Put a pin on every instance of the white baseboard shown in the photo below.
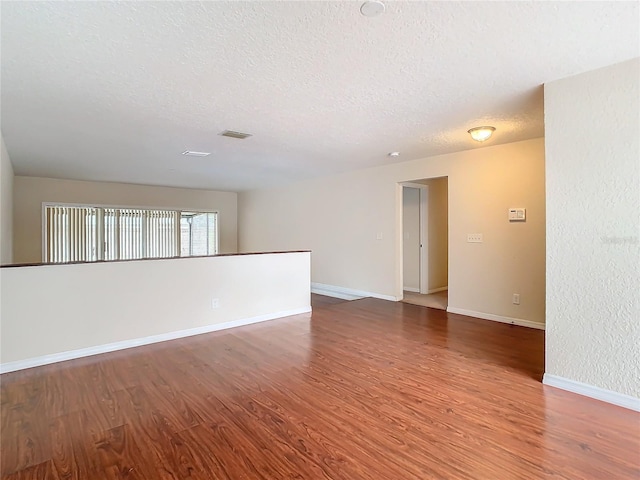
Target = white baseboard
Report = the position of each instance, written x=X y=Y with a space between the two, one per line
x=497 y=318
x=347 y=293
x=436 y=290
x=137 y=342
x=620 y=399
x=410 y=289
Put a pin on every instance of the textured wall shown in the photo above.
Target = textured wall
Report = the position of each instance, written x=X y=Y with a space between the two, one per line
x=30 y=192
x=352 y=222
x=6 y=206
x=593 y=228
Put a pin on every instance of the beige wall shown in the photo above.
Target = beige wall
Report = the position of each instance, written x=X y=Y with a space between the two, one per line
x=6 y=206
x=341 y=217
x=593 y=228
x=31 y=192
x=50 y=310
x=438 y=233
x=411 y=238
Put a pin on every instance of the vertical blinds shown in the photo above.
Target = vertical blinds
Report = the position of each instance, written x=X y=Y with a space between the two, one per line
x=134 y=233
x=85 y=234
x=71 y=234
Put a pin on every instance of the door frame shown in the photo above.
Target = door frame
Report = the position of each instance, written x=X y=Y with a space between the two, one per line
x=424 y=232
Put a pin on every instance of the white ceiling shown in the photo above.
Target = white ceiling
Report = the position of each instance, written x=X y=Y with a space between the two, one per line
x=115 y=91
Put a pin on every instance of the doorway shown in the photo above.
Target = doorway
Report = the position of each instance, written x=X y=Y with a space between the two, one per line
x=425 y=256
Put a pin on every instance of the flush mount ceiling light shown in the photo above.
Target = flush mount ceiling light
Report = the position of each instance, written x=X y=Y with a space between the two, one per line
x=480 y=134
x=190 y=153
x=372 y=8
x=394 y=154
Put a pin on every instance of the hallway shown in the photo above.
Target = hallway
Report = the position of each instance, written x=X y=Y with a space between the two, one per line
x=438 y=300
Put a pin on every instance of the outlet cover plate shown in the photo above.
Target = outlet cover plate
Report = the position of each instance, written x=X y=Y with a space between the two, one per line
x=474 y=238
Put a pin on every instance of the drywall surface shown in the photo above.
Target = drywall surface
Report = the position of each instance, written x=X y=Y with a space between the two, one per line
x=31 y=192
x=353 y=224
x=411 y=238
x=50 y=309
x=593 y=228
x=438 y=233
x=6 y=206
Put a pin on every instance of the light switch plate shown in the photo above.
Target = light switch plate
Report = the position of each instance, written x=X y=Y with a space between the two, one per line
x=474 y=238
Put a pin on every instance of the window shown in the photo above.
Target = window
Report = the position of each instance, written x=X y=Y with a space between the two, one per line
x=90 y=233
x=198 y=233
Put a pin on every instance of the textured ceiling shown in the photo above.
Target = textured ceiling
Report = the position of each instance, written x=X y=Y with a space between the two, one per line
x=115 y=91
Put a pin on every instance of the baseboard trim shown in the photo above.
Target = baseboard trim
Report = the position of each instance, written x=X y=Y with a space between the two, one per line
x=436 y=290
x=497 y=318
x=409 y=289
x=137 y=342
x=615 y=398
x=347 y=293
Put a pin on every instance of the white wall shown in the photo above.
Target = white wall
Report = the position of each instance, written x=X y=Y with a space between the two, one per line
x=411 y=238
x=593 y=228
x=340 y=218
x=6 y=206
x=50 y=309
x=30 y=192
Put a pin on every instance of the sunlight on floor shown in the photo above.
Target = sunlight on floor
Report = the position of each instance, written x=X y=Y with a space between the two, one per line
x=437 y=300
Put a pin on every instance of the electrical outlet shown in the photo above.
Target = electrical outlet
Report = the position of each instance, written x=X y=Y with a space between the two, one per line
x=215 y=303
x=474 y=237
x=516 y=299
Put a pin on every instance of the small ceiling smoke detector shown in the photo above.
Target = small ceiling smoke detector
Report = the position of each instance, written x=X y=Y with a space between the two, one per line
x=480 y=134
x=372 y=8
x=232 y=134
x=190 y=153
x=394 y=154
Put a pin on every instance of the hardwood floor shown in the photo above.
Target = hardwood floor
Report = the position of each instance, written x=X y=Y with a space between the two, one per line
x=366 y=389
x=319 y=301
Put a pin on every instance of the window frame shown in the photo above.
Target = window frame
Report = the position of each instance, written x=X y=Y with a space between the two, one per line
x=43 y=225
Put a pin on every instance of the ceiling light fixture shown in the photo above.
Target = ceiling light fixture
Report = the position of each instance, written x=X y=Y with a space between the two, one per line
x=480 y=134
x=394 y=154
x=190 y=153
x=372 y=8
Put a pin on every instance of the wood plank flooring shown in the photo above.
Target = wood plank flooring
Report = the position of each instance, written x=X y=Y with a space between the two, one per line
x=366 y=389
x=319 y=301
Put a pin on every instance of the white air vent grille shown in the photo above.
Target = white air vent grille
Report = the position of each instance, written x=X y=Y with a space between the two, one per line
x=190 y=153
x=232 y=134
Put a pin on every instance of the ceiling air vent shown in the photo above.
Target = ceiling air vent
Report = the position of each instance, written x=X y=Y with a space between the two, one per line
x=232 y=134
x=191 y=153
